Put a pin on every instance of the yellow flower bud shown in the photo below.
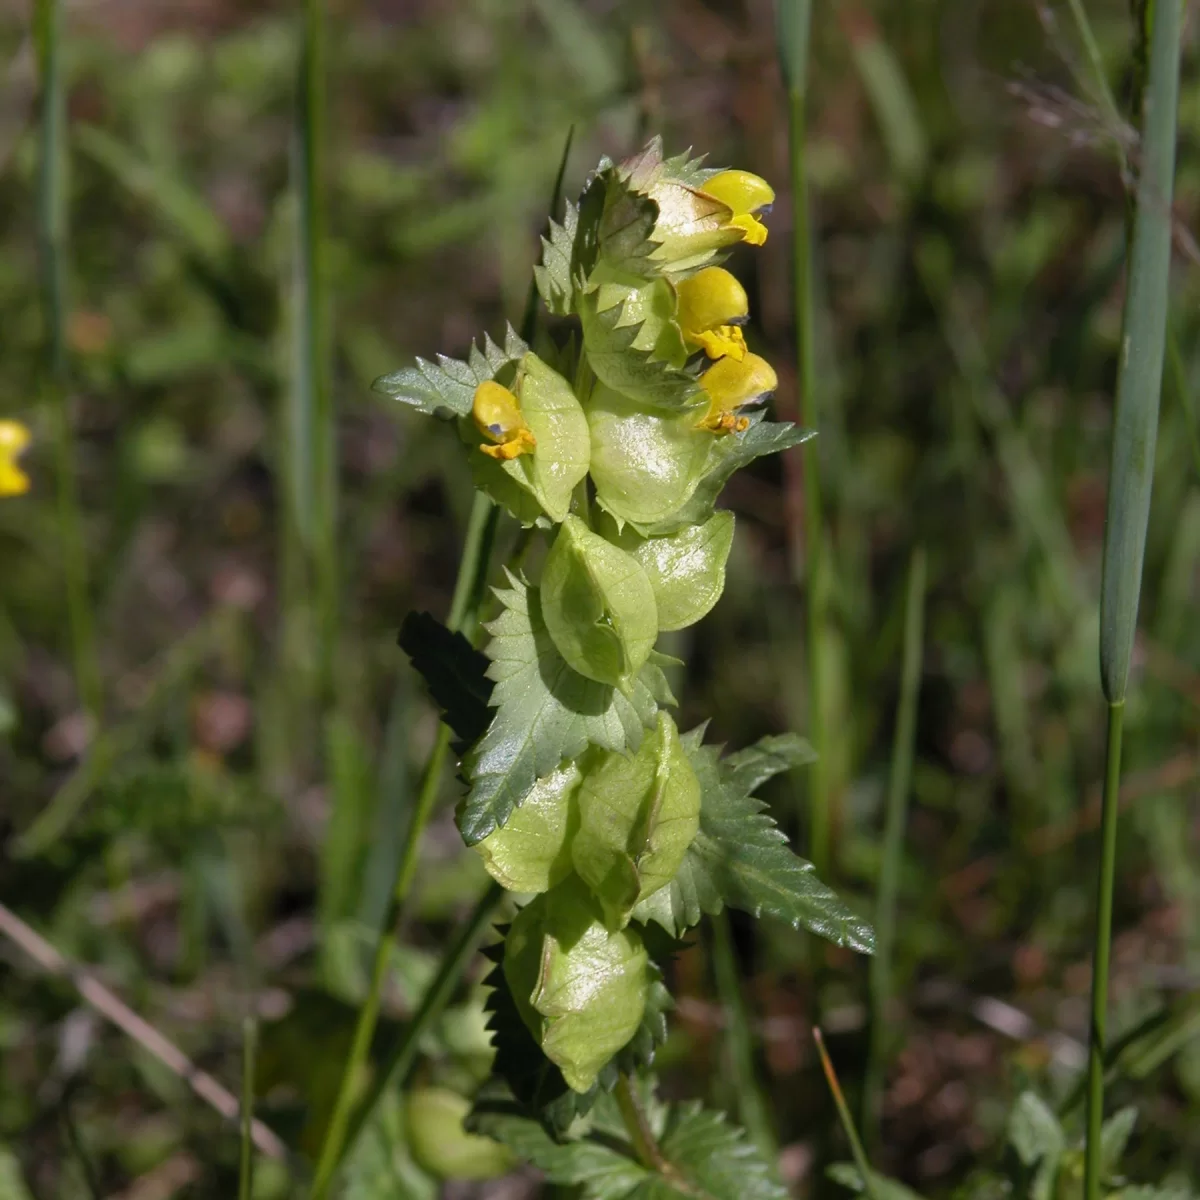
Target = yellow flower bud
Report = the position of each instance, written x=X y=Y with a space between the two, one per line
x=730 y=385
x=745 y=194
x=14 y=438
x=712 y=307
x=497 y=414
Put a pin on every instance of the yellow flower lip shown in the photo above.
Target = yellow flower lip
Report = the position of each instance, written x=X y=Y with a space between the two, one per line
x=497 y=415
x=731 y=385
x=712 y=306
x=14 y=440
x=745 y=195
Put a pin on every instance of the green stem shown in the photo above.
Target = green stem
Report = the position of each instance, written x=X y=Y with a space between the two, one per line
x=880 y=977
x=246 y=1166
x=641 y=1136
x=795 y=20
x=52 y=239
x=464 y=611
x=1100 y=953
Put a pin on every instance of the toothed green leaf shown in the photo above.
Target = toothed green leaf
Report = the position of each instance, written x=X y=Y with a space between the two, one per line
x=545 y=712
x=703 y=1156
x=446 y=388
x=555 y=281
x=741 y=858
x=453 y=670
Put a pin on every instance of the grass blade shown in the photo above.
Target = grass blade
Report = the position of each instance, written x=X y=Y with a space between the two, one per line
x=752 y=1110
x=1131 y=478
x=52 y=220
x=880 y=979
x=794 y=29
x=1139 y=375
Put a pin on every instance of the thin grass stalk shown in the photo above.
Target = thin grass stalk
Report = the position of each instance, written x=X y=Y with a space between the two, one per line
x=1131 y=478
x=399 y=1059
x=794 y=27
x=752 y=1108
x=843 y=1109
x=249 y=1055
x=52 y=223
x=316 y=436
x=899 y=783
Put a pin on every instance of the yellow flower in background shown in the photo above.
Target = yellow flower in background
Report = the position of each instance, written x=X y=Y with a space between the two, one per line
x=731 y=385
x=712 y=308
x=497 y=414
x=14 y=438
x=745 y=195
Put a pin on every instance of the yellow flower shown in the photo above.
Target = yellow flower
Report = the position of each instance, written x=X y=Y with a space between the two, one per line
x=14 y=438
x=497 y=414
x=712 y=308
x=745 y=195
x=730 y=385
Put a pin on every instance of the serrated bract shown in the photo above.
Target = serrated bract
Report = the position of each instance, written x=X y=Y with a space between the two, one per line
x=598 y=606
x=579 y=987
x=638 y=814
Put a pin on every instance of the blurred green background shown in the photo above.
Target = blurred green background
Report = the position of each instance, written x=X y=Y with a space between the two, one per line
x=219 y=838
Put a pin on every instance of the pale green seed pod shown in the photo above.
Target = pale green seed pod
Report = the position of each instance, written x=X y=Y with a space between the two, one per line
x=598 y=606
x=557 y=459
x=531 y=852
x=645 y=464
x=638 y=815
x=580 y=988
x=440 y=1144
x=685 y=569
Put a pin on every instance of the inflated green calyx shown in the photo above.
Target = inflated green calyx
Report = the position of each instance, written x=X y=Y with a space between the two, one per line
x=558 y=459
x=645 y=464
x=638 y=815
x=598 y=606
x=579 y=987
x=439 y=1143
x=685 y=569
x=531 y=852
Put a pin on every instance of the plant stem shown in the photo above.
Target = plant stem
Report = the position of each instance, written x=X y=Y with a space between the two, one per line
x=795 y=20
x=1100 y=953
x=641 y=1136
x=246 y=1166
x=464 y=611
x=835 y=1088
x=52 y=210
x=880 y=969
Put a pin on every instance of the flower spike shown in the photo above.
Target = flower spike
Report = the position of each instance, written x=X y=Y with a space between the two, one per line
x=746 y=195
x=730 y=386
x=712 y=309
x=497 y=415
x=14 y=439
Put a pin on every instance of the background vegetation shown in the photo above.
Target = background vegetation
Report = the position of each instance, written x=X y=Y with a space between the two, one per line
x=205 y=774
